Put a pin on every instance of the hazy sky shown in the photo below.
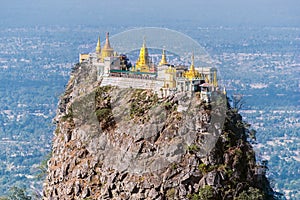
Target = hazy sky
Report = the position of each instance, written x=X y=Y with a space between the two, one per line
x=150 y=13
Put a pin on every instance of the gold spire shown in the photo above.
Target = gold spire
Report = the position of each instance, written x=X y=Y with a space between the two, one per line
x=144 y=42
x=192 y=73
x=107 y=43
x=142 y=64
x=107 y=51
x=192 y=68
x=215 y=81
x=163 y=58
x=224 y=91
x=98 y=47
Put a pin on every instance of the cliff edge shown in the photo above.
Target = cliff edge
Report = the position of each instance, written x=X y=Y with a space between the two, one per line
x=113 y=143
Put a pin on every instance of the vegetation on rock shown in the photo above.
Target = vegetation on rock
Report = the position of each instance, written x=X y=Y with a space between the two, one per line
x=143 y=147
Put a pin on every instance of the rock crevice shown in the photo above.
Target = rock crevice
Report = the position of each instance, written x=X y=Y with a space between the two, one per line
x=113 y=143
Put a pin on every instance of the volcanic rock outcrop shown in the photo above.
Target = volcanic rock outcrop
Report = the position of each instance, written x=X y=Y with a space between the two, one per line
x=113 y=143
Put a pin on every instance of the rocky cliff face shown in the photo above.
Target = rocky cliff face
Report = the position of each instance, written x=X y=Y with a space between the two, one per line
x=113 y=143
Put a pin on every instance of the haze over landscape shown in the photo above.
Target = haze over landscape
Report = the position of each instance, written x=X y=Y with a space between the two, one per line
x=151 y=13
x=254 y=44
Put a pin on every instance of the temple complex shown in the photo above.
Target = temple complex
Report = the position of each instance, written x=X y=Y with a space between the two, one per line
x=163 y=78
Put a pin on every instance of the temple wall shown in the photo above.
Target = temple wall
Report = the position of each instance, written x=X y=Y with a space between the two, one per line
x=122 y=82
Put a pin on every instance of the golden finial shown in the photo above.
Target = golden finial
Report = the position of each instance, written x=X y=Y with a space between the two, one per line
x=192 y=68
x=144 y=41
x=98 y=47
x=107 y=43
x=163 y=60
x=193 y=59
